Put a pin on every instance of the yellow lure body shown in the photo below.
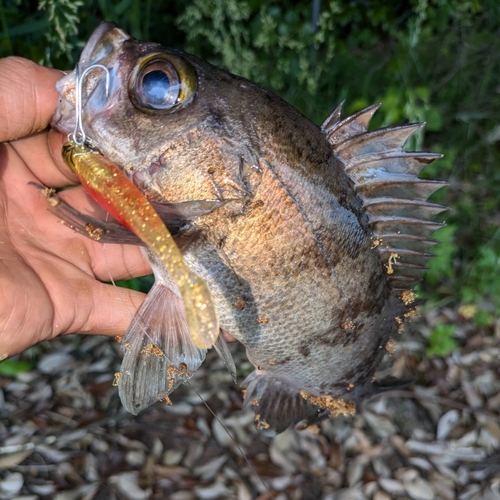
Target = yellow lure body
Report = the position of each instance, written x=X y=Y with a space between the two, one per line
x=119 y=196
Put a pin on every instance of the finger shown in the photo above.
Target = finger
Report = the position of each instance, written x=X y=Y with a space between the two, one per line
x=119 y=262
x=26 y=310
x=41 y=153
x=55 y=142
x=108 y=312
x=27 y=97
x=80 y=303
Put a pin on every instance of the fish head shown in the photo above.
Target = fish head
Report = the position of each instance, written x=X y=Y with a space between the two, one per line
x=160 y=114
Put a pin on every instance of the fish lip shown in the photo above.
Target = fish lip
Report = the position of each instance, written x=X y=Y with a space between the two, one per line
x=93 y=41
x=60 y=120
x=105 y=39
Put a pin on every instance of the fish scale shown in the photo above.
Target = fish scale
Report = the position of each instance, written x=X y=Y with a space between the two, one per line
x=309 y=238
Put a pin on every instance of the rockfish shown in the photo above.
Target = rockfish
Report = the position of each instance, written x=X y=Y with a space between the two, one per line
x=309 y=238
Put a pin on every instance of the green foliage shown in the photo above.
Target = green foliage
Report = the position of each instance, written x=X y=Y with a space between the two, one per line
x=441 y=268
x=483 y=318
x=428 y=60
x=13 y=367
x=139 y=284
x=483 y=277
x=63 y=19
x=441 y=341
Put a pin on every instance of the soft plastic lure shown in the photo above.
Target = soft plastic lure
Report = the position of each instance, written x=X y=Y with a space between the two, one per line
x=114 y=192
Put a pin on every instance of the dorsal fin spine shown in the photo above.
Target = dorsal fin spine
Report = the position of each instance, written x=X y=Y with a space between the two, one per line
x=386 y=178
x=391 y=162
x=352 y=125
x=333 y=118
x=382 y=139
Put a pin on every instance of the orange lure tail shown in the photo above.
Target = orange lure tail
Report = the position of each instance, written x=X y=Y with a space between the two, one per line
x=113 y=191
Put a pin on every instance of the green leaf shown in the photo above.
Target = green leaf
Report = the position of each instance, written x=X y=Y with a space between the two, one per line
x=482 y=318
x=13 y=367
x=441 y=341
x=140 y=284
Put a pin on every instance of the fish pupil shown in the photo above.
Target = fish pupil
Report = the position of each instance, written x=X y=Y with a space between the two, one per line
x=158 y=90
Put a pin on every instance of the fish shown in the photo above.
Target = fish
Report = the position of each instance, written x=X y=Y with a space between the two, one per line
x=309 y=238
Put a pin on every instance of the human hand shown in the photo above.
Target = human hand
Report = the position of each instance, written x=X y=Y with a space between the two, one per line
x=49 y=276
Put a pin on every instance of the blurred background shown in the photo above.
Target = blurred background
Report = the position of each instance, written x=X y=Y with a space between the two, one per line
x=433 y=61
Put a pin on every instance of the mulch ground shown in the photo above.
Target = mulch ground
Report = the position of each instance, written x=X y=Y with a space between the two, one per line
x=65 y=436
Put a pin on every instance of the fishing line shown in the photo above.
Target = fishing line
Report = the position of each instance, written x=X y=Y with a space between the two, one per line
x=187 y=382
x=252 y=468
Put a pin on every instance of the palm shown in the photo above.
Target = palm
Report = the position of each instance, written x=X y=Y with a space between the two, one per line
x=50 y=277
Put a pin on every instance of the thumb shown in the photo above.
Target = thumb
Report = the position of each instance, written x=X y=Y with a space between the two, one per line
x=27 y=97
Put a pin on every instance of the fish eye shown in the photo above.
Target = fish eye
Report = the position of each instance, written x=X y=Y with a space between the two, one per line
x=158 y=86
x=162 y=83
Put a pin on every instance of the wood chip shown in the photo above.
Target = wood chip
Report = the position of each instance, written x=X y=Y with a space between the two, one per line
x=11 y=484
x=419 y=489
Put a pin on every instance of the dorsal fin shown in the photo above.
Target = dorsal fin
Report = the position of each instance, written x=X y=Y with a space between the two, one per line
x=395 y=199
x=336 y=130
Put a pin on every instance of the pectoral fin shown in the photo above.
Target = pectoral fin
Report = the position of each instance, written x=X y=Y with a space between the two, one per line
x=186 y=210
x=174 y=215
x=159 y=352
x=91 y=227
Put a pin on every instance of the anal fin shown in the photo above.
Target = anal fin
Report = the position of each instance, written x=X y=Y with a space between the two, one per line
x=276 y=404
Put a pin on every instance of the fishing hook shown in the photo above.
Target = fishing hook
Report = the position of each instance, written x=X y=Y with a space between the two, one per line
x=78 y=136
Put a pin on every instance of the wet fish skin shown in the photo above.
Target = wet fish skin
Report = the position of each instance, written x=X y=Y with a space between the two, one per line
x=289 y=250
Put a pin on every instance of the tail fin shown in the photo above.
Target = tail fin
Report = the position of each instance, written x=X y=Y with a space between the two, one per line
x=159 y=353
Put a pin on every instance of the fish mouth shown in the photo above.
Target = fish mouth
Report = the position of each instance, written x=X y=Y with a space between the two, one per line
x=100 y=43
x=102 y=47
